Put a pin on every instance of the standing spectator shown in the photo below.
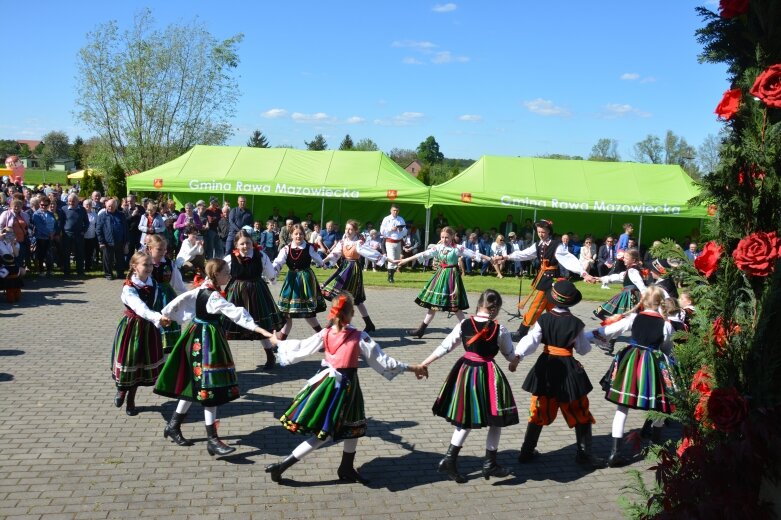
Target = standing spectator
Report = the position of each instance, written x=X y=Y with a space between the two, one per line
x=508 y=226
x=692 y=252
x=44 y=224
x=151 y=223
x=211 y=225
x=133 y=215
x=238 y=218
x=606 y=258
x=18 y=220
x=200 y=209
x=112 y=233
x=90 y=237
x=411 y=242
x=223 y=228
x=185 y=219
x=268 y=239
x=393 y=229
x=172 y=208
x=284 y=234
x=276 y=217
x=588 y=255
x=73 y=225
x=565 y=243
x=96 y=204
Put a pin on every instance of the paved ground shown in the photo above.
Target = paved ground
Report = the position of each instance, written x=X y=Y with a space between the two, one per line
x=68 y=453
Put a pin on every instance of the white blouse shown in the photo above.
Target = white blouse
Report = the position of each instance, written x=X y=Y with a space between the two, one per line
x=454 y=339
x=182 y=309
x=268 y=268
x=363 y=249
x=279 y=261
x=532 y=340
x=564 y=257
x=625 y=325
x=460 y=250
x=131 y=298
x=633 y=274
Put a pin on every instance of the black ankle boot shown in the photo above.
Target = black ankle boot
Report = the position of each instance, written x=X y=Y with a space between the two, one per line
x=119 y=398
x=656 y=434
x=645 y=431
x=528 y=453
x=584 y=455
x=214 y=445
x=418 y=333
x=346 y=470
x=130 y=408
x=317 y=328
x=369 y=324
x=271 y=359
x=391 y=272
x=616 y=460
x=449 y=465
x=491 y=468
x=277 y=469
x=174 y=430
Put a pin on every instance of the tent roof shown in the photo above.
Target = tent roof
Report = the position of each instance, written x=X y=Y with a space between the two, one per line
x=592 y=186
x=348 y=175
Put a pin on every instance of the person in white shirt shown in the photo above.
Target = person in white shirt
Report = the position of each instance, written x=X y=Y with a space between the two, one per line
x=393 y=229
x=191 y=254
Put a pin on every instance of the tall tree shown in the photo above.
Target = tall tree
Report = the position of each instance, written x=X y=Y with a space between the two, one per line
x=9 y=147
x=561 y=156
x=152 y=94
x=650 y=150
x=366 y=145
x=317 y=144
x=77 y=152
x=258 y=140
x=605 y=150
x=56 y=145
x=708 y=154
x=347 y=143
x=403 y=157
x=428 y=151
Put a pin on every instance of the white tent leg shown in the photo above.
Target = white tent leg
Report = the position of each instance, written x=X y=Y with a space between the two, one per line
x=424 y=244
x=322 y=211
x=640 y=233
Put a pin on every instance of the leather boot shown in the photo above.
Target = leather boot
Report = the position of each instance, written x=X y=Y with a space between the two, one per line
x=491 y=468
x=449 y=465
x=645 y=431
x=174 y=430
x=214 y=445
x=528 y=453
x=656 y=435
x=317 y=329
x=584 y=455
x=271 y=359
x=391 y=273
x=119 y=398
x=277 y=469
x=346 y=470
x=418 y=333
x=616 y=460
x=130 y=407
x=369 y=324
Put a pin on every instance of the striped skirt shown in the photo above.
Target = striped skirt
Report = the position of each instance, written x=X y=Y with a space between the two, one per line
x=619 y=304
x=200 y=367
x=328 y=406
x=137 y=356
x=254 y=296
x=444 y=291
x=172 y=332
x=348 y=278
x=300 y=296
x=641 y=378
x=476 y=394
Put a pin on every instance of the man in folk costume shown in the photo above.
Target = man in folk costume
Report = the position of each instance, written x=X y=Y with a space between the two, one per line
x=557 y=380
x=393 y=229
x=550 y=253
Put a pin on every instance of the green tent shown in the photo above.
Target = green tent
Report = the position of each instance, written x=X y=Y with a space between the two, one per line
x=332 y=184
x=582 y=196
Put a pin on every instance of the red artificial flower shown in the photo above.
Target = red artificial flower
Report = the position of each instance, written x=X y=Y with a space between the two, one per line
x=701 y=410
x=756 y=254
x=727 y=409
x=721 y=334
x=767 y=86
x=732 y=8
x=729 y=104
x=756 y=174
x=686 y=443
x=701 y=381
x=708 y=261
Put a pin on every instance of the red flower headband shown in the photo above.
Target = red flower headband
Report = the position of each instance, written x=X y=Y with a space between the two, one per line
x=336 y=308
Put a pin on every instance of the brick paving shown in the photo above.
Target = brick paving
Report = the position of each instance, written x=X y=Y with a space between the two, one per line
x=68 y=453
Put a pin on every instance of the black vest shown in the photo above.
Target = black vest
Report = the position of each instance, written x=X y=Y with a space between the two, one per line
x=247 y=268
x=163 y=271
x=200 y=305
x=648 y=330
x=487 y=345
x=560 y=329
x=298 y=259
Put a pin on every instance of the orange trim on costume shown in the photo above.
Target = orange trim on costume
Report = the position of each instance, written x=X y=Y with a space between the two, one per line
x=558 y=351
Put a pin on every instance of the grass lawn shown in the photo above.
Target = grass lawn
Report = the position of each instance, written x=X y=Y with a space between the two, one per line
x=38 y=176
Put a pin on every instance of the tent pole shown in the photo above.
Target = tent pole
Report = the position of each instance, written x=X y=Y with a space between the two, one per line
x=322 y=211
x=640 y=233
x=424 y=246
x=534 y=224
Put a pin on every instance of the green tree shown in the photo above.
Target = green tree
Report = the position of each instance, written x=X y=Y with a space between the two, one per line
x=24 y=150
x=152 y=94
x=428 y=151
x=77 y=152
x=678 y=151
x=708 y=154
x=56 y=145
x=9 y=147
x=366 y=145
x=347 y=143
x=317 y=144
x=258 y=140
x=605 y=150
x=402 y=156
x=649 y=150
x=561 y=157
x=117 y=184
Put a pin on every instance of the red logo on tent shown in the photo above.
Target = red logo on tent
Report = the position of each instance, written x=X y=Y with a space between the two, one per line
x=158 y=184
x=466 y=197
x=392 y=194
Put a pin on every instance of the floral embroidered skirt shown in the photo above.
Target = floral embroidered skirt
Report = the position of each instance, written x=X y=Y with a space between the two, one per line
x=444 y=291
x=476 y=394
x=348 y=278
x=137 y=355
x=172 y=332
x=254 y=296
x=300 y=296
x=327 y=407
x=619 y=304
x=640 y=378
x=200 y=368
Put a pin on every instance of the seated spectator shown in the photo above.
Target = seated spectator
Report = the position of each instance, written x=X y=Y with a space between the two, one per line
x=191 y=255
x=472 y=244
x=606 y=257
x=588 y=255
x=498 y=252
x=692 y=253
x=513 y=244
x=374 y=243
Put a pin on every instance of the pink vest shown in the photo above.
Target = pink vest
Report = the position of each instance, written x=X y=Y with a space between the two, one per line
x=342 y=348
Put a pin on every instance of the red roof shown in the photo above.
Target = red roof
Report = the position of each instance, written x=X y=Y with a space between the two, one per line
x=31 y=143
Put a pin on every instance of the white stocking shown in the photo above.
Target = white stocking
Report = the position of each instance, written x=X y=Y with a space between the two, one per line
x=312 y=322
x=459 y=436
x=429 y=316
x=209 y=415
x=460 y=315
x=350 y=445
x=307 y=447
x=619 y=421
x=287 y=327
x=363 y=310
x=492 y=440
x=182 y=406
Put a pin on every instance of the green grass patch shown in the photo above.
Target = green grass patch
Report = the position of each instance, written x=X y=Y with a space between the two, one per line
x=40 y=176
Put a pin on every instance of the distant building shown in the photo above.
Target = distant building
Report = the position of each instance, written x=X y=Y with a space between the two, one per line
x=414 y=168
x=64 y=164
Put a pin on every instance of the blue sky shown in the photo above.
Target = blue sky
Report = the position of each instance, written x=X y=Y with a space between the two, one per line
x=503 y=78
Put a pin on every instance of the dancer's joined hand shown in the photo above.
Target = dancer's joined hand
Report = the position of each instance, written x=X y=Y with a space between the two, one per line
x=420 y=371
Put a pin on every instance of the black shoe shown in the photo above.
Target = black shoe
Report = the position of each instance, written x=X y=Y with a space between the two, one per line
x=656 y=435
x=346 y=470
x=528 y=451
x=418 y=333
x=277 y=469
x=132 y=411
x=491 y=468
x=645 y=431
x=616 y=460
x=119 y=398
x=174 y=430
x=271 y=360
x=449 y=465
x=369 y=324
x=214 y=446
x=130 y=407
x=584 y=457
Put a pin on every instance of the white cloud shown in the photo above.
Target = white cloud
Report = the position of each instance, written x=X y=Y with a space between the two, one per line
x=403 y=119
x=444 y=8
x=630 y=76
x=414 y=44
x=274 y=113
x=447 y=57
x=545 y=107
x=318 y=117
x=427 y=51
x=409 y=60
x=470 y=117
x=616 y=110
x=354 y=120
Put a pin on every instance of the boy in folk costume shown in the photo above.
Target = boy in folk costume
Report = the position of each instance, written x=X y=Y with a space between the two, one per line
x=550 y=253
x=557 y=380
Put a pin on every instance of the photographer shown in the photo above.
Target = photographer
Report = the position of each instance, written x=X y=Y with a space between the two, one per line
x=191 y=255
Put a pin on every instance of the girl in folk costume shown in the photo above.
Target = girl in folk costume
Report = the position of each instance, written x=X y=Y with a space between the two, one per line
x=557 y=380
x=200 y=367
x=634 y=286
x=300 y=296
x=331 y=403
x=445 y=290
x=349 y=277
x=248 y=264
x=476 y=394
x=169 y=281
x=549 y=253
x=138 y=347
x=640 y=376
x=10 y=273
